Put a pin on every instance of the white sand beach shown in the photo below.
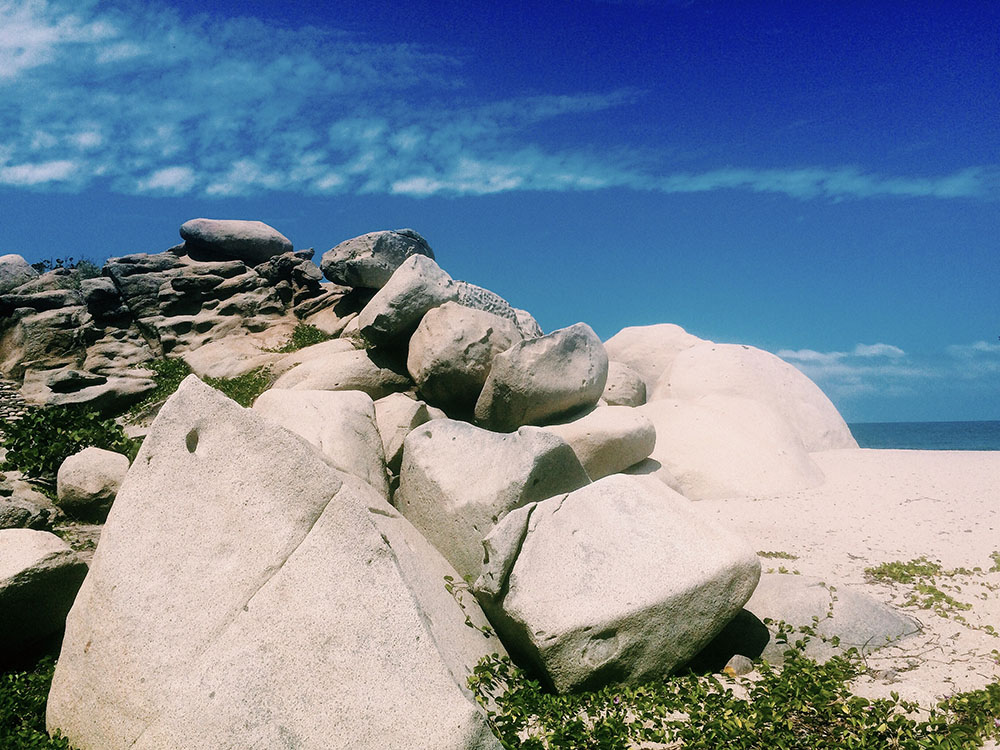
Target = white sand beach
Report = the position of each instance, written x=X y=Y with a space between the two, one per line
x=880 y=506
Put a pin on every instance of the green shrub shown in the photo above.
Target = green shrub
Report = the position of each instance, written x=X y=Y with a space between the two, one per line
x=42 y=439
x=802 y=705
x=243 y=389
x=302 y=336
x=22 y=709
x=167 y=374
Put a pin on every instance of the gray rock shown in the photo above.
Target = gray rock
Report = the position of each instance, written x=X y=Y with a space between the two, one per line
x=608 y=439
x=39 y=578
x=14 y=271
x=88 y=481
x=541 y=379
x=612 y=583
x=396 y=309
x=452 y=350
x=854 y=618
x=456 y=481
x=624 y=387
x=252 y=242
x=68 y=381
x=245 y=594
x=22 y=506
x=370 y=260
x=341 y=424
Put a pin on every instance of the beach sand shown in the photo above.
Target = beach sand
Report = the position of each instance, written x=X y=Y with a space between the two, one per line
x=880 y=506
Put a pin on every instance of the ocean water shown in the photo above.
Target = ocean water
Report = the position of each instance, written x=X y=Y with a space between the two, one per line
x=928 y=436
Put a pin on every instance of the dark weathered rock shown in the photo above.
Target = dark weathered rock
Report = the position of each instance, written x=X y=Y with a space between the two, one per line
x=39 y=578
x=369 y=260
x=252 y=242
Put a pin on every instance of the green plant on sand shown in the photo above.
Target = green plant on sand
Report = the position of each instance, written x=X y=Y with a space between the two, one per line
x=803 y=705
x=922 y=575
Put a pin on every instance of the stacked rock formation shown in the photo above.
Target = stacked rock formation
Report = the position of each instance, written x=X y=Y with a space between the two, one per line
x=276 y=576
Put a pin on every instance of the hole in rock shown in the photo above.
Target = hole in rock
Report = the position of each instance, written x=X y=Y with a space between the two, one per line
x=191 y=441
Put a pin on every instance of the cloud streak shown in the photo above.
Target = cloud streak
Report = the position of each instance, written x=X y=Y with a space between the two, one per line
x=888 y=371
x=147 y=102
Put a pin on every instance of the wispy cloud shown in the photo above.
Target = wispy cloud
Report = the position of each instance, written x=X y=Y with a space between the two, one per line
x=887 y=370
x=845 y=182
x=147 y=101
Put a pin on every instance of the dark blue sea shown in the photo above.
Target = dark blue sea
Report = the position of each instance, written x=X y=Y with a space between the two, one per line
x=928 y=436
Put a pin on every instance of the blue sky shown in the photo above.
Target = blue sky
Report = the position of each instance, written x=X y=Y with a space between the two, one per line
x=818 y=179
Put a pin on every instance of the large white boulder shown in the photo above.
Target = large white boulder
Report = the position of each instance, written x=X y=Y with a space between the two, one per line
x=540 y=379
x=369 y=260
x=352 y=369
x=39 y=578
x=456 y=481
x=609 y=439
x=725 y=446
x=14 y=271
x=88 y=480
x=452 y=350
x=746 y=372
x=252 y=242
x=341 y=424
x=394 y=312
x=244 y=594
x=612 y=583
x=396 y=415
x=650 y=350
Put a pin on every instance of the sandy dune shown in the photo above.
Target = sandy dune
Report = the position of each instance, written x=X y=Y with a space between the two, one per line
x=886 y=505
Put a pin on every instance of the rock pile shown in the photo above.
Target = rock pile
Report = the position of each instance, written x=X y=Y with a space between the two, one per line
x=276 y=576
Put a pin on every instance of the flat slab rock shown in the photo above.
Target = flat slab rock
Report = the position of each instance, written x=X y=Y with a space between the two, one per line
x=246 y=595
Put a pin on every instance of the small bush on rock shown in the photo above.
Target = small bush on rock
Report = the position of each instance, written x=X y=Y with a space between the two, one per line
x=22 y=709
x=303 y=335
x=167 y=374
x=243 y=389
x=40 y=441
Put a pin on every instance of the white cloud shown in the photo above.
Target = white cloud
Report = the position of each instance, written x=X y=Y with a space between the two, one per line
x=976 y=349
x=250 y=107
x=878 y=350
x=844 y=182
x=38 y=173
x=888 y=371
x=169 y=180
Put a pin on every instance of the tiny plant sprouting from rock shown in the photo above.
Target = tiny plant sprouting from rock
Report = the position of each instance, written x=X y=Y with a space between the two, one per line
x=458 y=589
